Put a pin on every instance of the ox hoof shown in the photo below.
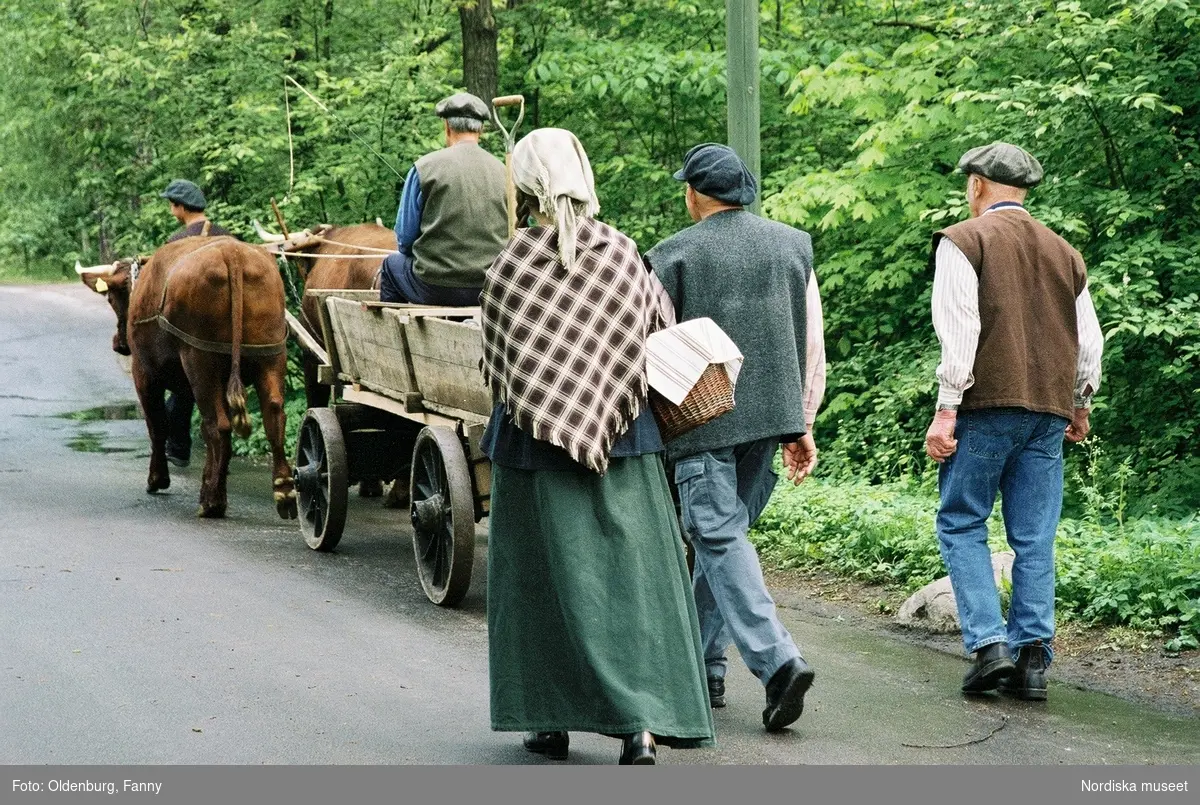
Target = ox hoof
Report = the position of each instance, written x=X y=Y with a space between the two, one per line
x=286 y=506
x=397 y=496
x=211 y=511
x=370 y=489
x=286 y=502
x=157 y=485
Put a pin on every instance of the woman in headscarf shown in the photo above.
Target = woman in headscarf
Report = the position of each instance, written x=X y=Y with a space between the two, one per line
x=591 y=620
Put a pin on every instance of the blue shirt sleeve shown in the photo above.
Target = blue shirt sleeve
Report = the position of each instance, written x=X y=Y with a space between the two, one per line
x=408 y=217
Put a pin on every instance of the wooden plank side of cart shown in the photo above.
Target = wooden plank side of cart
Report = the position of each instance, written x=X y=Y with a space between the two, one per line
x=417 y=362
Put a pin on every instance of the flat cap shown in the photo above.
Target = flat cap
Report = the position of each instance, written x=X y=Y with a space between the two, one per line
x=181 y=191
x=717 y=171
x=1003 y=163
x=463 y=104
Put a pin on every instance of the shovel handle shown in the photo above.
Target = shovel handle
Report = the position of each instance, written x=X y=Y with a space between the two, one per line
x=510 y=136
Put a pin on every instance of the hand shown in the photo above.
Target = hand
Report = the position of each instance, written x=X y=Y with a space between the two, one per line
x=1079 y=428
x=800 y=458
x=940 y=443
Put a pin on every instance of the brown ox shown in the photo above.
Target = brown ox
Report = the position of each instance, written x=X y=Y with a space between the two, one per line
x=344 y=257
x=205 y=312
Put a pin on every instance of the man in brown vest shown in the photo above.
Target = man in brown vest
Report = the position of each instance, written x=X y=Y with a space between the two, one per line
x=1021 y=350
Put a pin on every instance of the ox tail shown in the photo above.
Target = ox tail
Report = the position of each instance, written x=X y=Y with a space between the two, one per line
x=235 y=392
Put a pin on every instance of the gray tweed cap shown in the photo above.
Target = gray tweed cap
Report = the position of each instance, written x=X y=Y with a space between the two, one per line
x=463 y=104
x=1003 y=163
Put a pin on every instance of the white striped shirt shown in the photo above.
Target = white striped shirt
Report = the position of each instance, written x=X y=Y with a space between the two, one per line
x=956 y=321
x=814 y=361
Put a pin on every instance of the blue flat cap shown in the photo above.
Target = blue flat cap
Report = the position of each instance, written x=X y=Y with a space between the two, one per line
x=181 y=191
x=717 y=171
x=1003 y=163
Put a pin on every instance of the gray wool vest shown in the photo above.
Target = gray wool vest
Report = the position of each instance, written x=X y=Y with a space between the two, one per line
x=464 y=223
x=750 y=276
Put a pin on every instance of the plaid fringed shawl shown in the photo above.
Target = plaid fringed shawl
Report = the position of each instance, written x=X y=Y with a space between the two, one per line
x=566 y=352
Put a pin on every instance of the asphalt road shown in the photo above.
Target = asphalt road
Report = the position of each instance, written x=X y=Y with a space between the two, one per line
x=132 y=632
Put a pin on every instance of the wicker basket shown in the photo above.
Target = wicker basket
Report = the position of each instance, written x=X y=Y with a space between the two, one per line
x=711 y=397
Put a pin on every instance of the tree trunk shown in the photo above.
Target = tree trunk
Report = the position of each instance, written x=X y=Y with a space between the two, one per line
x=480 y=60
x=326 y=44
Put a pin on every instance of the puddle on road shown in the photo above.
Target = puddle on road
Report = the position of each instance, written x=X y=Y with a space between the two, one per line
x=105 y=413
x=92 y=441
x=96 y=441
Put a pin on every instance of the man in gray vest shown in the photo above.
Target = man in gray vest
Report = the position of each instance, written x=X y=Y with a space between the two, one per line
x=452 y=220
x=754 y=278
x=1020 y=360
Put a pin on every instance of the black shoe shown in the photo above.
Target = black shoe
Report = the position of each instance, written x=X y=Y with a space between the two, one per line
x=785 y=694
x=178 y=459
x=1028 y=680
x=638 y=750
x=551 y=744
x=716 y=691
x=991 y=665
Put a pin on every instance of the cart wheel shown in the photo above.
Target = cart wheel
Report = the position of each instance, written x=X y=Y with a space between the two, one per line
x=321 y=479
x=442 y=515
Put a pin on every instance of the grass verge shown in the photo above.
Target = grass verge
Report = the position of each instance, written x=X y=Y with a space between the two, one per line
x=1144 y=573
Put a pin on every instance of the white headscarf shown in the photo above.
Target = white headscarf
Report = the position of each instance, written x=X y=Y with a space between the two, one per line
x=551 y=166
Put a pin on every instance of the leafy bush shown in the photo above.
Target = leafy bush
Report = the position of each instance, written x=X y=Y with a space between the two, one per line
x=1146 y=575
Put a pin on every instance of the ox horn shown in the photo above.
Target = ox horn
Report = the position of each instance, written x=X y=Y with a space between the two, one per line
x=101 y=269
x=265 y=236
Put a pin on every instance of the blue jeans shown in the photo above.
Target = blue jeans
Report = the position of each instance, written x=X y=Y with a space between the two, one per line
x=721 y=494
x=1018 y=453
x=398 y=282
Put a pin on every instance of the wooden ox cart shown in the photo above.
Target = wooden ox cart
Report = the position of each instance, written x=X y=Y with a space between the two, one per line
x=406 y=392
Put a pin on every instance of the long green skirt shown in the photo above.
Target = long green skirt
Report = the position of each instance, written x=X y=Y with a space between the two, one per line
x=591 y=621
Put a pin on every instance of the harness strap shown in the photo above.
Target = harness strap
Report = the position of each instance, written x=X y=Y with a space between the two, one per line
x=334 y=256
x=220 y=347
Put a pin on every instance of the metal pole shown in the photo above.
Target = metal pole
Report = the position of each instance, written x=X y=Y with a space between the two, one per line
x=741 y=90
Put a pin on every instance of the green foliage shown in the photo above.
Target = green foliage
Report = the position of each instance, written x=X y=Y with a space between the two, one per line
x=878 y=533
x=1145 y=574
x=122 y=97
x=1105 y=94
